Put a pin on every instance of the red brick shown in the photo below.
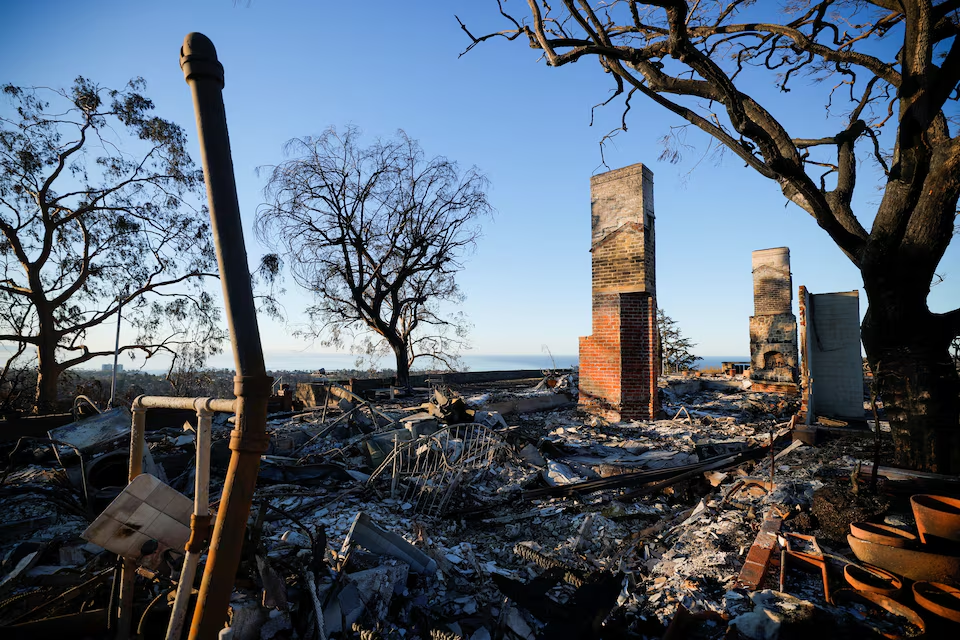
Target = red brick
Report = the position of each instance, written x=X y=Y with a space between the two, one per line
x=618 y=364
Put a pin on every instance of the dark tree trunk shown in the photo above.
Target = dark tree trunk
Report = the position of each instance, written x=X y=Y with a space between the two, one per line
x=403 y=363
x=48 y=375
x=908 y=348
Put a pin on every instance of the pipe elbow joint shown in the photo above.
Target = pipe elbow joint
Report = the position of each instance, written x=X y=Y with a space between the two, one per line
x=198 y=59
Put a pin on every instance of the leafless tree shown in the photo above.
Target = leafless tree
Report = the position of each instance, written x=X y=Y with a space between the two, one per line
x=376 y=234
x=96 y=217
x=893 y=101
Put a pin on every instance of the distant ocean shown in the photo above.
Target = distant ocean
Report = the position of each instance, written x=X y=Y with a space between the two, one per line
x=287 y=361
x=334 y=361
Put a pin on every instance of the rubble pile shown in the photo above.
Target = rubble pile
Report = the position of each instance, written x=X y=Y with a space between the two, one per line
x=439 y=516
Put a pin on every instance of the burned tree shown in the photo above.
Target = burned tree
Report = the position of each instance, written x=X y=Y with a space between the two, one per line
x=694 y=59
x=376 y=234
x=96 y=217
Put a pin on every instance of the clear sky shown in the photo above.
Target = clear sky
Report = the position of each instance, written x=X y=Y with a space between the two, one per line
x=295 y=67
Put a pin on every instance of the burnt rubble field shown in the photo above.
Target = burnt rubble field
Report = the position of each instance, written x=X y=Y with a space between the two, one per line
x=487 y=511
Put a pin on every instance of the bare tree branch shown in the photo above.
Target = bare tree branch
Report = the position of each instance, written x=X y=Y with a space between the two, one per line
x=377 y=235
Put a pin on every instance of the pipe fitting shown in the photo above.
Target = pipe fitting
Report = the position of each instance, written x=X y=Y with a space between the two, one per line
x=198 y=58
x=137 y=404
x=204 y=406
x=200 y=530
x=252 y=386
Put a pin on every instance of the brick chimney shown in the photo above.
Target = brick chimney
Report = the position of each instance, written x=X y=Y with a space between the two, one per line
x=618 y=362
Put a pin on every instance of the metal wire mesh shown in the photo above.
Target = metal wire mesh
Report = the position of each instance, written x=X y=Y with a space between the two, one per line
x=429 y=471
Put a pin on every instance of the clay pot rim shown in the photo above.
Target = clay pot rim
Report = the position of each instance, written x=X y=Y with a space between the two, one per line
x=895 y=537
x=934 y=502
x=896 y=584
x=933 y=607
x=938 y=517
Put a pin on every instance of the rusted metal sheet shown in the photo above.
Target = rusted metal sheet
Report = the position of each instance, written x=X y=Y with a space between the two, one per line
x=803 y=552
x=95 y=431
x=909 y=563
x=938 y=517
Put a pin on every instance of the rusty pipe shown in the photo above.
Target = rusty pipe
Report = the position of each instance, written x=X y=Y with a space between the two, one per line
x=204 y=74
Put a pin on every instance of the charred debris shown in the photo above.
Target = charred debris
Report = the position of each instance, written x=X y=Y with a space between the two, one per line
x=494 y=510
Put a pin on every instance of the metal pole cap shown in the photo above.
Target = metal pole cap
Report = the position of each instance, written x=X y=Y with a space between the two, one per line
x=198 y=58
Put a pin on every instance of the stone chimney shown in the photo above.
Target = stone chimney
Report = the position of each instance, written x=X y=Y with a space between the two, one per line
x=774 y=354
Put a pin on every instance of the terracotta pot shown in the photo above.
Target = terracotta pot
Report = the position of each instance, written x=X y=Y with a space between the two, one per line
x=938 y=517
x=873 y=579
x=909 y=563
x=941 y=599
x=883 y=534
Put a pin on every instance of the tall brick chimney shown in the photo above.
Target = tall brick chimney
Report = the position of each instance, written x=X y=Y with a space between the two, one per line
x=774 y=353
x=618 y=362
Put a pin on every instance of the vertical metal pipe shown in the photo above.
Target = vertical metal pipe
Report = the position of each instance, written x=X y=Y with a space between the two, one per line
x=772 y=461
x=128 y=575
x=806 y=353
x=204 y=75
x=201 y=512
x=116 y=355
x=137 y=441
x=201 y=491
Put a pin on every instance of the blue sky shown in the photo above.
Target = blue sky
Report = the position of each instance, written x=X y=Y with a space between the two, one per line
x=294 y=68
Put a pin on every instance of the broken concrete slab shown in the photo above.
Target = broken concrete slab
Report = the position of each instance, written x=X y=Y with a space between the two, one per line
x=545 y=402
x=379 y=585
x=374 y=539
x=345 y=609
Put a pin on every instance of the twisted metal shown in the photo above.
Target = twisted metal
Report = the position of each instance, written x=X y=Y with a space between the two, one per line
x=546 y=562
x=427 y=472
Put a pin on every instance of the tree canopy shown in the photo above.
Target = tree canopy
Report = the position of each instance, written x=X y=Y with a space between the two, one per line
x=676 y=350
x=377 y=234
x=98 y=215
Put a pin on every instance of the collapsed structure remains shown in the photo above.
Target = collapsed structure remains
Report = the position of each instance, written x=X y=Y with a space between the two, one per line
x=774 y=355
x=448 y=516
x=830 y=344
